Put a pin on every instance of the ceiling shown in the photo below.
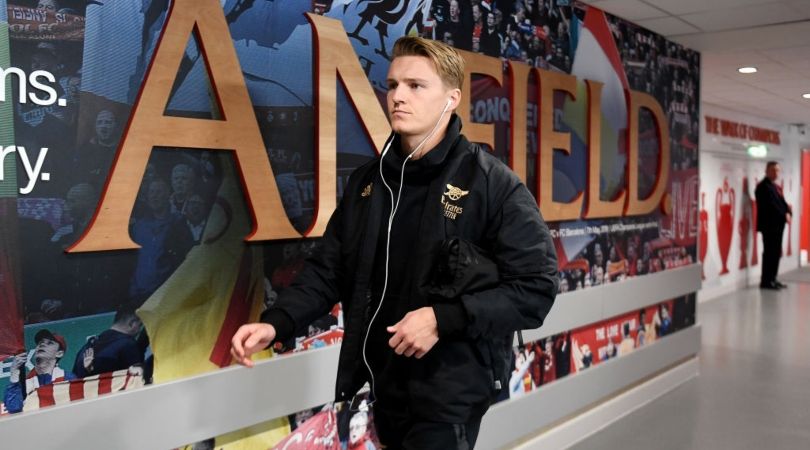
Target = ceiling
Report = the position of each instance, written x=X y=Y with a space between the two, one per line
x=771 y=35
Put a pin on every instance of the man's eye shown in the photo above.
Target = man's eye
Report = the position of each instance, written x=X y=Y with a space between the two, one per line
x=415 y=85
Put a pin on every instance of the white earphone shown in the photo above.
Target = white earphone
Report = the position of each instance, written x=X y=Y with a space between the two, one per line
x=394 y=207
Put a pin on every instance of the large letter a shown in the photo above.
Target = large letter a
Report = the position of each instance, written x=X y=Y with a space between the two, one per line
x=148 y=127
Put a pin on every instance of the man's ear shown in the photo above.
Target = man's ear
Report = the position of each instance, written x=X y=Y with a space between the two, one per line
x=60 y=354
x=454 y=96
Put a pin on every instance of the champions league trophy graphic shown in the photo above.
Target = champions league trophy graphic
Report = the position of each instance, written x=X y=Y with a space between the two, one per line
x=704 y=233
x=724 y=214
x=744 y=225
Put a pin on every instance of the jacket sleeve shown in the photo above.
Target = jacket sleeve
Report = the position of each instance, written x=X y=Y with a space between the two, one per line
x=315 y=291
x=524 y=252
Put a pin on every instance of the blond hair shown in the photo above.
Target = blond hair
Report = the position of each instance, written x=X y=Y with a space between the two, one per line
x=447 y=61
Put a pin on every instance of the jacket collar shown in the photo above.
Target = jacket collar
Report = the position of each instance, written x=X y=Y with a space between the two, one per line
x=426 y=167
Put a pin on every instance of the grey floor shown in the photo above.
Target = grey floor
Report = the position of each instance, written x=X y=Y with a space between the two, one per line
x=753 y=391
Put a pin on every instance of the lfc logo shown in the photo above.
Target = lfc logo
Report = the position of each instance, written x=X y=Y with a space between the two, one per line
x=366 y=191
x=453 y=193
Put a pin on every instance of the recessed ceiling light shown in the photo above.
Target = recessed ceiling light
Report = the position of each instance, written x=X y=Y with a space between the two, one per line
x=806 y=95
x=747 y=70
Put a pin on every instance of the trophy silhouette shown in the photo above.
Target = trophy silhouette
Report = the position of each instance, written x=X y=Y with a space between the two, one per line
x=704 y=233
x=724 y=214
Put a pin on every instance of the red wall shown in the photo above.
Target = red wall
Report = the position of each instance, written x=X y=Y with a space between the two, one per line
x=804 y=215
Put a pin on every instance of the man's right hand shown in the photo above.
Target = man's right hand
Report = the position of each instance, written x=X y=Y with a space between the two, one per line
x=18 y=362
x=249 y=339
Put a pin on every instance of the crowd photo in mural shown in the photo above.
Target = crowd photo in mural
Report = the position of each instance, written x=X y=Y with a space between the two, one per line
x=79 y=324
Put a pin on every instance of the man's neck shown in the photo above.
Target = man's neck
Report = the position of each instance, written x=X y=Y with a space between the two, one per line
x=410 y=143
x=120 y=328
x=103 y=143
x=45 y=366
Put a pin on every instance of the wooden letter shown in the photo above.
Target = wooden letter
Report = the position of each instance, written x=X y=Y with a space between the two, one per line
x=334 y=56
x=483 y=133
x=549 y=141
x=148 y=127
x=517 y=133
x=636 y=206
x=595 y=207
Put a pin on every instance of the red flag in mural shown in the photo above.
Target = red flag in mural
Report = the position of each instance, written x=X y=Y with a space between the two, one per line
x=63 y=392
x=11 y=323
x=320 y=432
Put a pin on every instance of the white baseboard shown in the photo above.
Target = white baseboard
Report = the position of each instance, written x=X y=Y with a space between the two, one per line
x=712 y=289
x=604 y=414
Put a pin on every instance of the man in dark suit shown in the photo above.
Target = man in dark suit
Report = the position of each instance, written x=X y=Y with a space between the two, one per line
x=772 y=214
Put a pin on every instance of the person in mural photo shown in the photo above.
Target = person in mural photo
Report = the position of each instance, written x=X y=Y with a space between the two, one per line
x=520 y=380
x=49 y=351
x=151 y=231
x=93 y=159
x=183 y=179
x=359 y=436
x=583 y=357
x=662 y=321
x=641 y=329
x=773 y=213
x=435 y=352
x=113 y=349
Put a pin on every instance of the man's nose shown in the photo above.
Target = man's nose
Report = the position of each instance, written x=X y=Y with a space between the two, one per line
x=397 y=95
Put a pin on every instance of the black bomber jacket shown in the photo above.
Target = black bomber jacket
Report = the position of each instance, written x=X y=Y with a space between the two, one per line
x=475 y=198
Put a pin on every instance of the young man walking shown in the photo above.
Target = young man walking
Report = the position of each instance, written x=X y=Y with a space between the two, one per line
x=438 y=253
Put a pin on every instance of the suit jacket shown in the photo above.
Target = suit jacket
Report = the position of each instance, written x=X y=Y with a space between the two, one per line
x=771 y=207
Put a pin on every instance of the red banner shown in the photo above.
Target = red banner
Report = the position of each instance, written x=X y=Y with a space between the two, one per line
x=619 y=336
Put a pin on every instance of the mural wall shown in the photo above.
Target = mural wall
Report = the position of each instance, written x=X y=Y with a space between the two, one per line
x=114 y=320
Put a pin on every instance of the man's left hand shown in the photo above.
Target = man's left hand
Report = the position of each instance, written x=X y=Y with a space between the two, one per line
x=415 y=334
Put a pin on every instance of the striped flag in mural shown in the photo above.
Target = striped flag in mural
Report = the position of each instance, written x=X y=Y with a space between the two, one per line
x=191 y=318
x=219 y=286
x=63 y=392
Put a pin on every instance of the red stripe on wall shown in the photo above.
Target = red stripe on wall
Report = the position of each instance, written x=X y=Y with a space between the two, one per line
x=804 y=214
x=45 y=394
x=76 y=390
x=105 y=383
